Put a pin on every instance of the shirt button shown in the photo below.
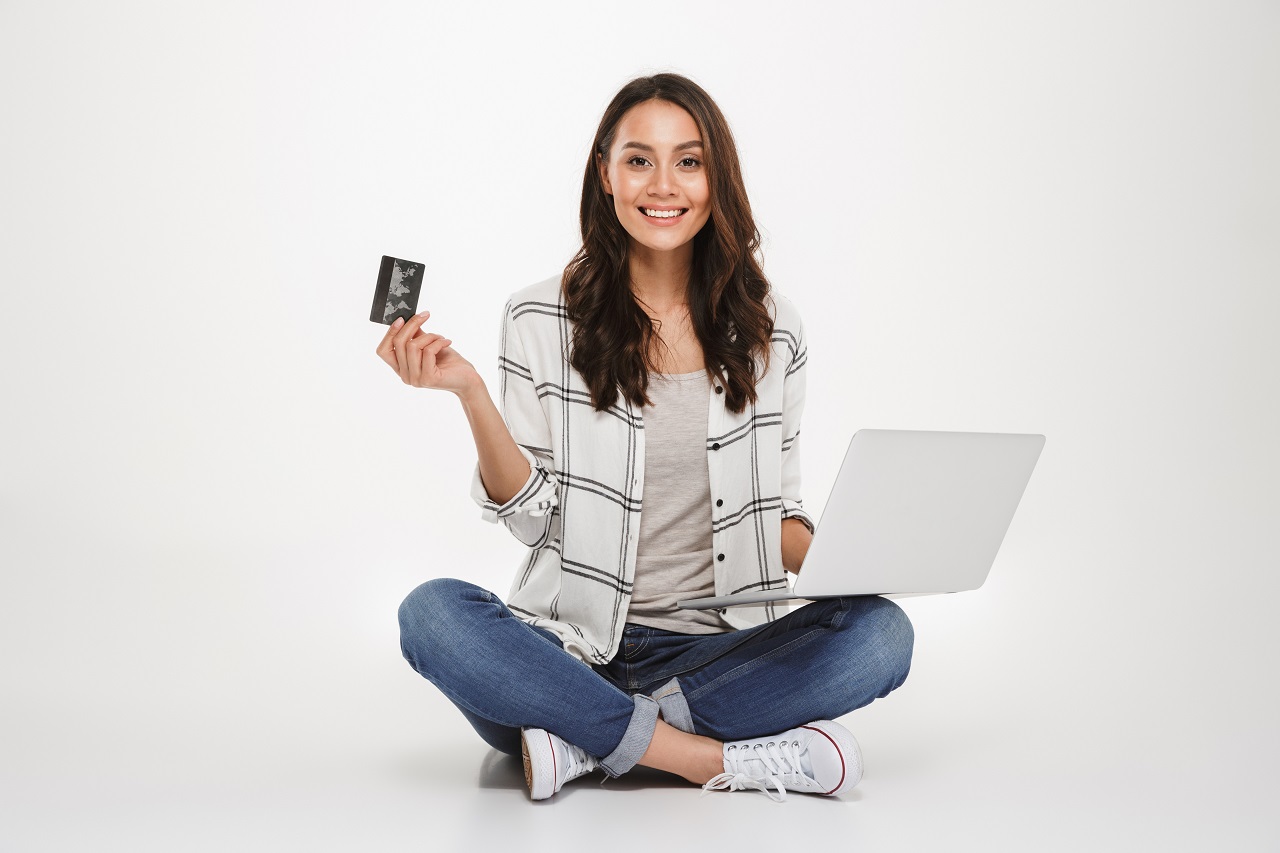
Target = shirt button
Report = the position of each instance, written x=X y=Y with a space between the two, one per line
x=719 y=503
x=715 y=446
x=720 y=557
x=719 y=390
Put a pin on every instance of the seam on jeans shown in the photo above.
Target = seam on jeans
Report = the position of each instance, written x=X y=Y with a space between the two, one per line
x=746 y=667
x=835 y=623
x=741 y=636
x=462 y=703
x=456 y=699
x=672 y=690
x=838 y=618
x=665 y=675
x=675 y=709
x=641 y=645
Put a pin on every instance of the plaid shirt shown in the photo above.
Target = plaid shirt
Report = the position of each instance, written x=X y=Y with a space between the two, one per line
x=579 y=511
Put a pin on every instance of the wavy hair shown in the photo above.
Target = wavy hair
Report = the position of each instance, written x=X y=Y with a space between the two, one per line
x=727 y=289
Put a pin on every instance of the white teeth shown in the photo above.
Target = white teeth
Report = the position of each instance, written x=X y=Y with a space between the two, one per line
x=661 y=214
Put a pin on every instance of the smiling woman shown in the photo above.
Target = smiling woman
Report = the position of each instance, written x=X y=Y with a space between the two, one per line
x=665 y=181
x=665 y=216
x=647 y=452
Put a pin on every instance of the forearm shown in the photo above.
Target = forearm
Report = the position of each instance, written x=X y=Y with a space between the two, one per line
x=795 y=543
x=503 y=468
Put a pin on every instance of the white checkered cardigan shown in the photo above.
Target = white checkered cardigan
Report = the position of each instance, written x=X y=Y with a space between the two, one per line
x=579 y=512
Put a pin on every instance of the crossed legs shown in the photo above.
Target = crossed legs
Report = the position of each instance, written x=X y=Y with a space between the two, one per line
x=818 y=662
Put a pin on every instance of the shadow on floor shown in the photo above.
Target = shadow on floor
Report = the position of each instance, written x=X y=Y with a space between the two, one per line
x=501 y=771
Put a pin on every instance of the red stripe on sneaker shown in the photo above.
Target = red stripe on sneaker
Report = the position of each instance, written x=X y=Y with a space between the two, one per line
x=838 y=752
x=555 y=776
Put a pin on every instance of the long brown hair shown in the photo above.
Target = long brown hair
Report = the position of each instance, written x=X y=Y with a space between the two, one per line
x=727 y=289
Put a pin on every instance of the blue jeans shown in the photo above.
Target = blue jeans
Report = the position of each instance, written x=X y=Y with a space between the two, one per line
x=816 y=663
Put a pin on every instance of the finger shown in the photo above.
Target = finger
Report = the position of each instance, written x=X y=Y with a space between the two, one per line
x=400 y=338
x=399 y=341
x=423 y=339
x=429 y=353
x=410 y=328
x=413 y=356
x=385 y=349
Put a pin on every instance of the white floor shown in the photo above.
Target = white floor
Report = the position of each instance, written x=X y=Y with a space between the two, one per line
x=990 y=745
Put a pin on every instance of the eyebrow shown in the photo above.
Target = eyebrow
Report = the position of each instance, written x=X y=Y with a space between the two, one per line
x=695 y=143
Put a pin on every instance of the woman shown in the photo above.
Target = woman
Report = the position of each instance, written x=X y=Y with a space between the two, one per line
x=649 y=453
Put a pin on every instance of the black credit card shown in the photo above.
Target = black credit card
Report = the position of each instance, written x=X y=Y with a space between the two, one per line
x=399 y=283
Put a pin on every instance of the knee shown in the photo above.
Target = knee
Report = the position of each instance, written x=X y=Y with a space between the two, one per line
x=889 y=639
x=897 y=641
x=426 y=613
x=431 y=600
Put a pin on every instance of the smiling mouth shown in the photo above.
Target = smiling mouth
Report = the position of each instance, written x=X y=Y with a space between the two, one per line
x=663 y=214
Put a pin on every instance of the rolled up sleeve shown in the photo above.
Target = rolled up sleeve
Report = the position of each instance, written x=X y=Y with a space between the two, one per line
x=528 y=513
x=793 y=391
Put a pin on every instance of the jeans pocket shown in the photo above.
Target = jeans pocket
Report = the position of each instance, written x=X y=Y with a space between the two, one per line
x=634 y=644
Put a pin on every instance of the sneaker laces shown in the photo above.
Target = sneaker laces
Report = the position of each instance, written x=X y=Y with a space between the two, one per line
x=577 y=761
x=762 y=767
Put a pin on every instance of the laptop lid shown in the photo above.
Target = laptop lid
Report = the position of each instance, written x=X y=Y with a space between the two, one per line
x=913 y=512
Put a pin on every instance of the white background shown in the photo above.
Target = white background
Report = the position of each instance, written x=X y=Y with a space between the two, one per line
x=1043 y=217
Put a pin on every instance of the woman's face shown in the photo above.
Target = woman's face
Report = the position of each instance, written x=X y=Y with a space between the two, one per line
x=656 y=176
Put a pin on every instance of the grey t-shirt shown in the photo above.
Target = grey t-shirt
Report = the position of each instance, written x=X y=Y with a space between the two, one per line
x=674 y=558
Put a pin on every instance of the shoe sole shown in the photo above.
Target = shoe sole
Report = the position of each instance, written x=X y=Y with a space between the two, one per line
x=528 y=770
x=539 y=763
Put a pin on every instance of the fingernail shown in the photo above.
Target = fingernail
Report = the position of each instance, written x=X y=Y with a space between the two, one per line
x=398 y=323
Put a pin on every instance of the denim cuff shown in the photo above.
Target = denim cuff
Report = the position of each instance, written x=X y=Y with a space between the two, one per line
x=675 y=710
x=644 y=719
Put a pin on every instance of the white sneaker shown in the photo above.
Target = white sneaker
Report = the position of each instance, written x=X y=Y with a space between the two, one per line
x=820 y=758
x=549 y=762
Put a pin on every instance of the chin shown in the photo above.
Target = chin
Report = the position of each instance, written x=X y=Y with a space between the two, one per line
x=665 y=246
x=668 y=241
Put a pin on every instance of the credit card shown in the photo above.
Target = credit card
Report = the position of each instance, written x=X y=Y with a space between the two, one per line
x=399 y=283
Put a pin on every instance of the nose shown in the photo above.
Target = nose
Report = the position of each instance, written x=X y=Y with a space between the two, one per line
x=661 y=183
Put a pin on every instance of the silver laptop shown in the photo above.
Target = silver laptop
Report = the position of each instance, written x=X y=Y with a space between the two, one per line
x=911 y=513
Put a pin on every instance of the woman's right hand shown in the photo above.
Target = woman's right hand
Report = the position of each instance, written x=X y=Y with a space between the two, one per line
x=426 y=360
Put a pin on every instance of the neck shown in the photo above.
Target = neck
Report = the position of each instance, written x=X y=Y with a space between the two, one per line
x=660 y=279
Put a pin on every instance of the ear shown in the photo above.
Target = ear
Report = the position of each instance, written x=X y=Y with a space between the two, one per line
x=604 y=175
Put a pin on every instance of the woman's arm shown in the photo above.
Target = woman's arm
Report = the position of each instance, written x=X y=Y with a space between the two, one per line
x=503 y=468
x=527 y=508
x=795 y=543
x=426 y=360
